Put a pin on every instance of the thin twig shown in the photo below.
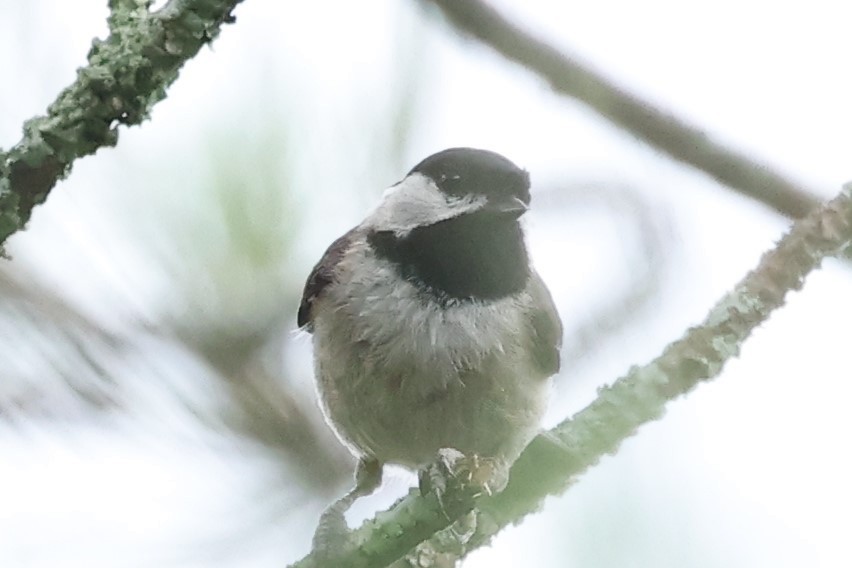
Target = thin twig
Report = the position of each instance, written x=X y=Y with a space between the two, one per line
x=127 y=74
x=666 y=132
x=555 y=459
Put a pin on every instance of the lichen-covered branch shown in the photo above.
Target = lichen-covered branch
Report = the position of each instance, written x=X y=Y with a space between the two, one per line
x=126 y=75
x=669 y=134
x=555 y=459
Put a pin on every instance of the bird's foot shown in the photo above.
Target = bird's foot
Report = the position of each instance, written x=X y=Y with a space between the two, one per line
x=471 y=474
x=332 y=533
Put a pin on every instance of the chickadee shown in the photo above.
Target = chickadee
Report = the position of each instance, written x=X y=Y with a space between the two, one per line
x=430 y=328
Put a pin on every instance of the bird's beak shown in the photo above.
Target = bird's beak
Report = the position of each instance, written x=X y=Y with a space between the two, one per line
x=513 y=206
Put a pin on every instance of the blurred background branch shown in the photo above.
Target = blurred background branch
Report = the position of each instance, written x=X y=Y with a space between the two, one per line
x=663 y=130
x=59 y=344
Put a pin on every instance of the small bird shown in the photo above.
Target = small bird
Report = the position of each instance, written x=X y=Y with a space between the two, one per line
x=431 y=331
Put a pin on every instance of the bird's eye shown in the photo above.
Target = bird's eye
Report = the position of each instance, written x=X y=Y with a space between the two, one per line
x=451 y=183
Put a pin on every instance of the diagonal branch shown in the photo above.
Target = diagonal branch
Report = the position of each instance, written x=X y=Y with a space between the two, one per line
x=555 y=459
x=667 y=133
x=127 y=74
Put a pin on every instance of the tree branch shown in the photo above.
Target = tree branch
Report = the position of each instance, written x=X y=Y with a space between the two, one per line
x=669 y=134
x=555 y=459
x=127 y=74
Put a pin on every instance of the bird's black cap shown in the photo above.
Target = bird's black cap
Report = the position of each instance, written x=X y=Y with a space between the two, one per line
x=464 y=171
x=478 y=255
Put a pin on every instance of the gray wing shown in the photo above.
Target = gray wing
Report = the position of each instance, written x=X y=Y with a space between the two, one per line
x=546 y=327
x=323 y=274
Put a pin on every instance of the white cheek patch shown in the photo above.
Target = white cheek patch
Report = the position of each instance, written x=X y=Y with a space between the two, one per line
x=415 y=202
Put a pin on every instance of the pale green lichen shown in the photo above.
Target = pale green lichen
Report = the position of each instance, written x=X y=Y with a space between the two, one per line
x=127 y=73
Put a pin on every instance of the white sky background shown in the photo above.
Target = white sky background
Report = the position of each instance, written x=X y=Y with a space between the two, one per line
x=749 y=470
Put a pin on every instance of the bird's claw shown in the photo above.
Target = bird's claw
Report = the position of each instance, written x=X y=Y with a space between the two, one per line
x=455 y=471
